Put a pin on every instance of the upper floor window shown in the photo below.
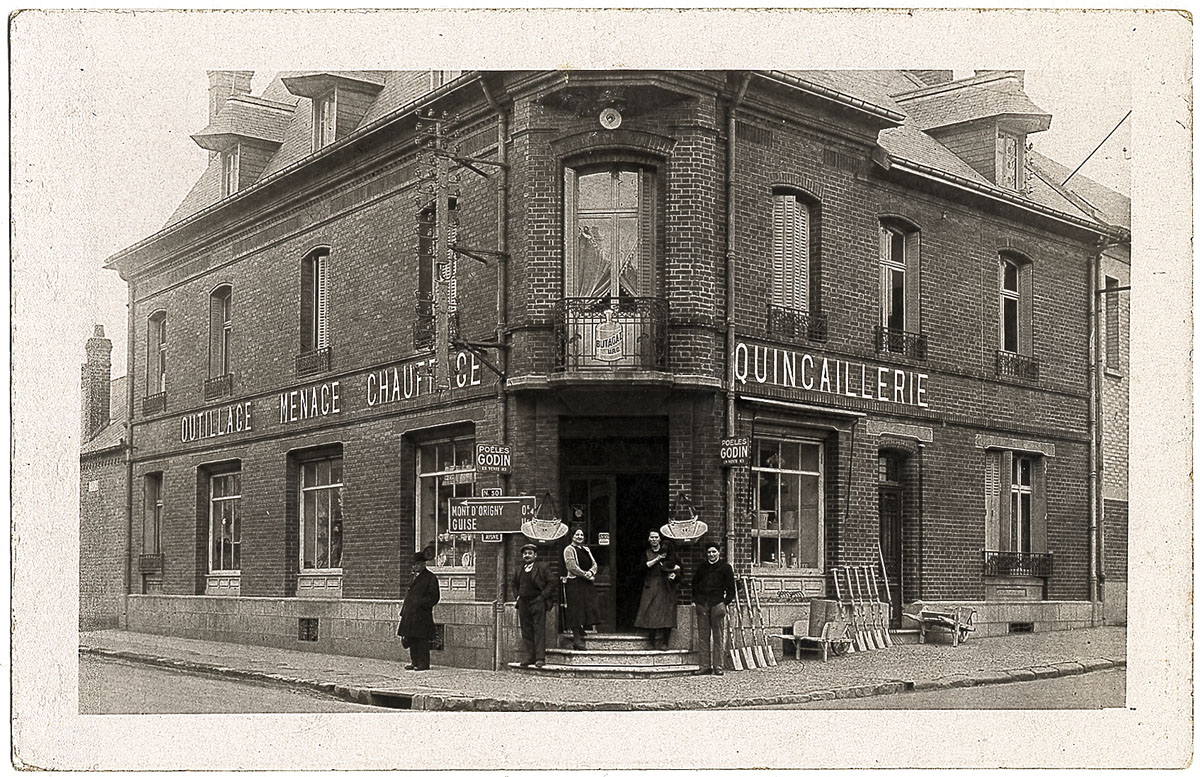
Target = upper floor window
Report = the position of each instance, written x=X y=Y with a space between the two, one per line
x=321 y=513
x=224 y=522
x=1112 y=325
x=230 y=162
x=324 y=120
x=899 y=277
x=220 y=331
x=1015 y=305
x=156 y=353
x=314 y=301
x=1010 y=161
x=610 y=215
x=790 y=250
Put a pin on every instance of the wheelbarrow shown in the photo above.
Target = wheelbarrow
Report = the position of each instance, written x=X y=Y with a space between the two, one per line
x=959 y=621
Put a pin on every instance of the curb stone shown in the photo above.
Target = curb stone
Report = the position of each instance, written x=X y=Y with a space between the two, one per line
x=1044 y=672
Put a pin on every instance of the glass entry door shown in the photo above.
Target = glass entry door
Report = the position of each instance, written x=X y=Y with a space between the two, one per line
x=891 y=513
x=591 y=503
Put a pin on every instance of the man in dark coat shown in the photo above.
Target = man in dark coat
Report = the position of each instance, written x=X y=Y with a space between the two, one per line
x=535 y=591
x=712 y=590
x=416 y=614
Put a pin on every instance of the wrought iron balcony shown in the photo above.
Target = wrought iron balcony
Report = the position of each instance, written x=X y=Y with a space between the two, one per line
x=1013 y=563
x=150 y=562
x=312 y=362
x=796 y=324
x=220 y=386
x=1014 y=366
x=603 y=333
x=900 y=342
x=154 y=403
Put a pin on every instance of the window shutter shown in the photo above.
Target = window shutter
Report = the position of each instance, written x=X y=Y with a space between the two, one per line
x=1025 y=285
x=802 y=243
x=778 y=248
x=570 y=233
x=1037 y=521
x=912 y=281
x=322 y=300
x=1005 y=480
x=646 y=234
x=216 y=334
x=991 y=539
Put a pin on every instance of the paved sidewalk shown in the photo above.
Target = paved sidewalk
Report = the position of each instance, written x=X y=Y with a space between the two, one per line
x=899 y=669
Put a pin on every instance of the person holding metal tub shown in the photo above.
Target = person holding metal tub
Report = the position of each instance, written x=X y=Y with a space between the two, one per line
x=656 y=611
x=582 y=612
x=535 y=590
x=417 y=628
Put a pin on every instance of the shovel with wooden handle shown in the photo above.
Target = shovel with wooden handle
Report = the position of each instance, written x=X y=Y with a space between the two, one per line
x=744 y=647
x=768 y=648
x=842 y=615
x=886 y=589
x=885 y=627
x=756 y=645
x=860 y=641
x=870 y=608
x=860 y=606
x=735 y=658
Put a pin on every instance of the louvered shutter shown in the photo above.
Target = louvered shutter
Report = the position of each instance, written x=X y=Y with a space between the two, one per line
x=991 y=540
x=1006 y=463
x=778 y=250
x=912 y=281
x=321 y=280
x=802 y=254
x=570 y=234
x=1037 y=521
x=647 y=234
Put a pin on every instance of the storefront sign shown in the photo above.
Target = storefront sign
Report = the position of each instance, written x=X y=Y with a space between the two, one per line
x=735 y=451
x=323 y=399
x=215 y=422
x=415 y=379
x=785 y=368
x=474 y=515
x=493 y=458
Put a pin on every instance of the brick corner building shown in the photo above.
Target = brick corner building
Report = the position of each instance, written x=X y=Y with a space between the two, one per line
x=390 y=291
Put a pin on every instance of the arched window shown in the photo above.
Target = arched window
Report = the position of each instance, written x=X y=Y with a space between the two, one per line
x=314 y=301
x=899 y=277
x=220 y=331
x=610 y=235
x=156 y=353
x=1016 y=304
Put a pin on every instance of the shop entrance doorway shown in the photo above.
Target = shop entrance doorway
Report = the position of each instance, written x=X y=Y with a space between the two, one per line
x=617 y=489
x=891 y=500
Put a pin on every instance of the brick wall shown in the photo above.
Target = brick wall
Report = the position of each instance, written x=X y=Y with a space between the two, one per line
x=102 y=546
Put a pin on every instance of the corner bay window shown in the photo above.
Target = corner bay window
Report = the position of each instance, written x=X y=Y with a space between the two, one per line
x=787 y=477
x=321 y=513
x=445 y=469
x=224 y=522
x=610 y=232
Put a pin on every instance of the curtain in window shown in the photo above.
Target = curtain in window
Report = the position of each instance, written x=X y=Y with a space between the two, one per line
x=609 y=233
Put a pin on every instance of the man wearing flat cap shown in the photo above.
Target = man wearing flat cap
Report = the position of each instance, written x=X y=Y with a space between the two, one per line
x=535 y=591
x=712 y=591
x=416 y=614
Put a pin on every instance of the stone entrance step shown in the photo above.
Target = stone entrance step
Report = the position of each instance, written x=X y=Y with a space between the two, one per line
x=609 y=671
x=597 y=642
x=589 y=657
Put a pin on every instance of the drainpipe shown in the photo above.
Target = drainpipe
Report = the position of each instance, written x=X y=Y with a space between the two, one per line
x=920 y=510
x=730 y=288
x=1095 y=431
x=501 y=335
x=130 y=361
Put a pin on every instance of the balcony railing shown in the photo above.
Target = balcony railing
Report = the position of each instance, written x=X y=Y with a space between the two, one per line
x=1013 y=563
x=425 y=328
x=603 y=333
x=220 y=386
x=311 y=362
x=154 y=403
x=900 y=342
x=1014 y=366
x=796 y=324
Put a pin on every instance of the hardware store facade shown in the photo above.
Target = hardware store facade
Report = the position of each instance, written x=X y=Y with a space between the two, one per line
x=902 y=341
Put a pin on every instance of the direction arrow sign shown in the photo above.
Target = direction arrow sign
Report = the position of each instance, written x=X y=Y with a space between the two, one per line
x=475 y=515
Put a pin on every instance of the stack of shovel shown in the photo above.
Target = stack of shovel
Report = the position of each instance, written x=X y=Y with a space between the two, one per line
x=858 y=598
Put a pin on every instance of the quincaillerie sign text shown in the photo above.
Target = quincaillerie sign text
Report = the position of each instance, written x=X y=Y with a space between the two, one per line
x=785 y=368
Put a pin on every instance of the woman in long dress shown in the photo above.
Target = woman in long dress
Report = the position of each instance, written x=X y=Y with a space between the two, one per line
x=582 y=613
x=660 y=590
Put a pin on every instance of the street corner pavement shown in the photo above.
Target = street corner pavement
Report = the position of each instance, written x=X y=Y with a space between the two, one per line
x=902 y=668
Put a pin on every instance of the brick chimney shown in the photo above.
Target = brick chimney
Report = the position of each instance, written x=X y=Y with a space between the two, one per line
x=223 y=84
x=97 y=383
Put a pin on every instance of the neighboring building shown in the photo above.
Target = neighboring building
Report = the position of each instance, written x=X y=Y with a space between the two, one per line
x=855 y=270
x=103 y=474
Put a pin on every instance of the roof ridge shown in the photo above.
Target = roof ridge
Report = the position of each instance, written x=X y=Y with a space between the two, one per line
x=950 y=86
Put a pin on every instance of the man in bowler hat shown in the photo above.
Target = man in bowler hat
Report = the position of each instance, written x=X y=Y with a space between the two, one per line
x=712 y=591
x=416 y=614
x=535 y=591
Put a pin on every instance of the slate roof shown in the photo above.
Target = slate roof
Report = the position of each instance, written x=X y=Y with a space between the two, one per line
x=1108 y=205
x=898 y=92
x=244 y=116
x=115 y=432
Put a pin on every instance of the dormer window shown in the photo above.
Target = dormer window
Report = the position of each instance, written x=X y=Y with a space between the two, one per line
x=230 y=160
x=1010 y=160
x=324 y=120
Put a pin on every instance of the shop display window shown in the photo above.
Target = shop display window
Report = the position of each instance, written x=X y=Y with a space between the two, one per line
x=787 y=527
x=321 y=513
x=445 y=469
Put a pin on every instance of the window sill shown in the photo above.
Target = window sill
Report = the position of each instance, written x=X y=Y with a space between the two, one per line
x=319 y=584
x=223 y=583
x=1114 y=374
